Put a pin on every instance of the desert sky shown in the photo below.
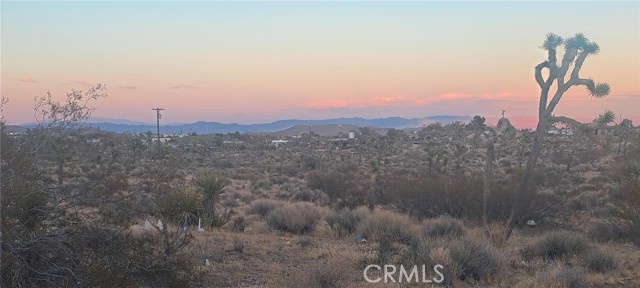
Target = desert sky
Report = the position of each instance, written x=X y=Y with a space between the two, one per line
x=250 y=62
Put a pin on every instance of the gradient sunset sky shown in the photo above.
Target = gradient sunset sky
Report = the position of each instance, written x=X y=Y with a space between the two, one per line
x=250 y=62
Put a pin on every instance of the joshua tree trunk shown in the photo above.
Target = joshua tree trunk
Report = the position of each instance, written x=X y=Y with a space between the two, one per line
x=619 y=146
x=60 y=170
x=570 y=159
x=488 y=176
x=372 y=194
x=521 y=189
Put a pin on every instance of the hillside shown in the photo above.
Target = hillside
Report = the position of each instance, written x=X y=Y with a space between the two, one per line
x=203 y=127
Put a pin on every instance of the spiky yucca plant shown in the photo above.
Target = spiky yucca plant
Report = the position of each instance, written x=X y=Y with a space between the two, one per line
x=182 y=207
x=605 y=118
x=212 y=186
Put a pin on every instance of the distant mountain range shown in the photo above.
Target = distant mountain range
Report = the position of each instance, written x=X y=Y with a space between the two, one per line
x=201 y=127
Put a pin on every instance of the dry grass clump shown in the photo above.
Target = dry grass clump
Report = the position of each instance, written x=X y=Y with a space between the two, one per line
x=345 y=221
x=603 y=232
x=296 y=218
x=444 y=226
x=556 y=245
x=474 y=259
x=262 y=207
x=600 y=262
x=562 y=277
x=335 y=272
x=326 y=276
x=463 y=258
x=385 y=224
x=442 y=256
x=238 y=224
x=238 y=245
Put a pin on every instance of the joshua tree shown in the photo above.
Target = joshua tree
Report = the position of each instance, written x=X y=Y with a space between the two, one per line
x=478 y=126
x=624 y=129
x=603 y=121
x=459 y=149
x=576 y=50
x=477 y=123
x=605 y=118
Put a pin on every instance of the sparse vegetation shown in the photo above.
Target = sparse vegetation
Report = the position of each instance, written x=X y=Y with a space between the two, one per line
x=82 y=207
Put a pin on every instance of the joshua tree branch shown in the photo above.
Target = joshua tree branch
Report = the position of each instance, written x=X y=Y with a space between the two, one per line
x=539 y=79
x=552 y=58
x=578 y=65
x=567 y=59
x=556 y=98
x=591 y=86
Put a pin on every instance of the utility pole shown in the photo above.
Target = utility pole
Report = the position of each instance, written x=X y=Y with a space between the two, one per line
x=158 y=121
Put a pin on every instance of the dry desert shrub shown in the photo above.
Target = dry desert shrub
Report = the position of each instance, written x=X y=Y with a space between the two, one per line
x=605 y=232
x=600 y=262
x=474 y=259
x=332 y=273
x=463 y=258
x=398 y=227
x=444 y=226
x=296 y=218
x=556 y=245
x=561 y=276
x=345 y=221
x=238 y=224
x=262 y=207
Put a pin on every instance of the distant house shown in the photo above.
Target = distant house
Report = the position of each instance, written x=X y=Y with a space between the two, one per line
x=566 y=131
x=601 y=129
x=343 y=142
x=278 y=142
x=553 y=132
x=230 y=142
x=161 y=139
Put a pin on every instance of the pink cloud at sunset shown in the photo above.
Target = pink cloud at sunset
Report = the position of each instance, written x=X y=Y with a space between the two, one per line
x=27 y=79
x=396 y=101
